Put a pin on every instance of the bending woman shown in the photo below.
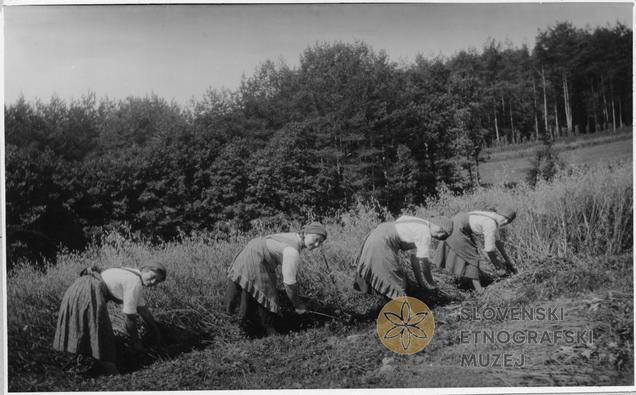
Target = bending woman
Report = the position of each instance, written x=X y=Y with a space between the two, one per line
x=252 y=275
x=84 y=327
x=459 y=253
x=378 y=262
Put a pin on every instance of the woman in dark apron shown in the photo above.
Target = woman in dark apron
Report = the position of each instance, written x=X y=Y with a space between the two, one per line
x=378 y=263
x=459 y=253
x=84 y=327
x=252 y=276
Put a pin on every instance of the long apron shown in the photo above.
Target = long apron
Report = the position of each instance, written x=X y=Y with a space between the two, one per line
x=254 y=271
x=459 y=253
x=378 y=263
x=83 y=325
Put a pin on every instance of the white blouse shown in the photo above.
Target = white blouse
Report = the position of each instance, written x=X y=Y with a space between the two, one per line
x=291 y=259
x=486 y=223
x=125 y=286
x=418 y=233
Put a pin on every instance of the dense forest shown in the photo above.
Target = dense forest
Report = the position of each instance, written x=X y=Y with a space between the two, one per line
x=297 y=142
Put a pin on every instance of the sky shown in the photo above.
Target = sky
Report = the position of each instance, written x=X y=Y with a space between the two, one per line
x=179 y=51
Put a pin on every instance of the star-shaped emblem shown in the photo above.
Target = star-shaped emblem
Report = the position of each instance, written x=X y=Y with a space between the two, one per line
x=405 y=325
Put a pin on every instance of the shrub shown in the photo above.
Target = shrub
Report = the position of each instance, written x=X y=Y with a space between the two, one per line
x=544 y=165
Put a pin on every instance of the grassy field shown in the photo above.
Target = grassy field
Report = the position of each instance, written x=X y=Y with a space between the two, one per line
x=572 y=243
x=511 y=165
x=571 y=141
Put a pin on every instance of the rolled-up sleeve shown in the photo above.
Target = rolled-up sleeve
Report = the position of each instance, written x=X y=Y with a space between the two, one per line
x=423 y=243
x=291 y=261
x=133 y=297
x=491 y=234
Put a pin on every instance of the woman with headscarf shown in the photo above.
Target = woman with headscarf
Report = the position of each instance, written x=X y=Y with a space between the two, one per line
x=84 y=327
x=252 y=275
x=459 y=253
x=378 y=263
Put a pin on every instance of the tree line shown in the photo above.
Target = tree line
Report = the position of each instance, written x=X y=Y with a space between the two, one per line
x=292 y=142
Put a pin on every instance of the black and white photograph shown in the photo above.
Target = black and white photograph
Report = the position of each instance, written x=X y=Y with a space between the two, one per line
x=317 y=196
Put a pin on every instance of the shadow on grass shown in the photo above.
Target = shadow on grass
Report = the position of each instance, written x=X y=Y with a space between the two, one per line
x=177 y=340
x=320 y=314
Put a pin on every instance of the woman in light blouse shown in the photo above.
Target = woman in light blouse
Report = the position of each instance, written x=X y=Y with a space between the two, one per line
x=378 y=264
x=252 y=276
x=84 y=327
x=459 y=253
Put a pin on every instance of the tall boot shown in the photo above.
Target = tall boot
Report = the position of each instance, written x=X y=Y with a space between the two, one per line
x=428 y=275
x=422 y=270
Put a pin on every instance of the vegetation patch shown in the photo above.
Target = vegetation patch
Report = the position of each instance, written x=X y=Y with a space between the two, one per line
x=555 y=242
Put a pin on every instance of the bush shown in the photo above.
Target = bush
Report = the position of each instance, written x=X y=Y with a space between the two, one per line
x=545 y=164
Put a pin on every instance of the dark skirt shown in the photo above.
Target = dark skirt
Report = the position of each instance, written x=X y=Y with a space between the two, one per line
x=378 y=263
x=83 y=325
x=252 y=314
x=445 y=257
x=254 y=272
x=459 y=253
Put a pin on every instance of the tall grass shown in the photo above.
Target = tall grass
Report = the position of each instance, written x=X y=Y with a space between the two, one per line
x=583 y=213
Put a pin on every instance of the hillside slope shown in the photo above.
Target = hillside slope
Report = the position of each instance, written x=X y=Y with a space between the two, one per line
x=572 y=243
x=511 y=166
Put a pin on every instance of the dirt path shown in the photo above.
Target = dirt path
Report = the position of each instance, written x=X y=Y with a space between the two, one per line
x=591 y=360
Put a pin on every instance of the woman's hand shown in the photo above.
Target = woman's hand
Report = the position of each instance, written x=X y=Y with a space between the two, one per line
x=130 y=325
x=292 y=294
x=492 y=256
x=422 y=270
x=145 y=314
x=508 y=263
